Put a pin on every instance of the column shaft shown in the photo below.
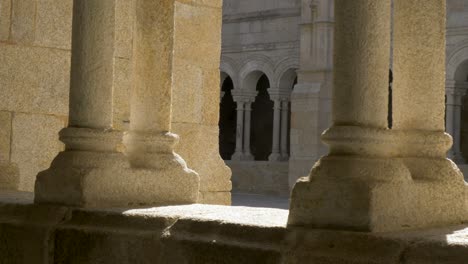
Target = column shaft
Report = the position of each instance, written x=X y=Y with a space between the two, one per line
x=152 y=52
x=419 y=65
x=360 y=89
x=457 y=128
x=247 y=155
x=284 y=129
x=92 y=64
x=275 y=151
x=347 y=188
x=239 y=131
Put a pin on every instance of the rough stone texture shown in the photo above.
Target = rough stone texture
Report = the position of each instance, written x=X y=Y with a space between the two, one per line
x=23 y=14
x=97 y=179
x=92 y=64
x=9 y=174
x=53 y=19
x=27 y=230
x=34 y=80
x=5 y=135
x=263 y=177
x=34 y=145
x=201 y=234
x=215 y=175
x=196 y=95
x=124 y=19
x=122 y=93
x=5 y=14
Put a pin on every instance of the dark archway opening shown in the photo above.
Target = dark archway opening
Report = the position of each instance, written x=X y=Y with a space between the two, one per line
x=227 y=121
x=262 y=121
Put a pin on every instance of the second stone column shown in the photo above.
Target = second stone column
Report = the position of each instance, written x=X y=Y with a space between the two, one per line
x=164 y=176
x=358 y=185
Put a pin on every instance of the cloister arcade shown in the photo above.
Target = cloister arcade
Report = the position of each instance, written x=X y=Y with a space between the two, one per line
x=255 y=115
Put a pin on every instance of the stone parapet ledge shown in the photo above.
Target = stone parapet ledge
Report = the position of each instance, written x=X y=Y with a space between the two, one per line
x=32 y=233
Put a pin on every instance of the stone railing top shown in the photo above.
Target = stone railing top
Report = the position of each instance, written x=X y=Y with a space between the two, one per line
x=233 y=234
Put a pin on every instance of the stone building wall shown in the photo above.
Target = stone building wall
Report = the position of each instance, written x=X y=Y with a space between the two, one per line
x=34 y=79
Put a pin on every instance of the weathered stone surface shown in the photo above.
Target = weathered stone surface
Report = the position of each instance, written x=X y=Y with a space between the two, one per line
x=23 y=14
x=53 y=23
x=196 y=70
x=34 y=80
x=122 y=93
x=214 y=197
x=199 y=147
x=203 y=234
x=124 y=19
x=262 y=177
x=207 y=3
x=5 y=135
x=34 y=145
x=5 y=22
x=195 y=101
x=127 y=239
x=9 y=176
x=97 y=179
x=26 y=230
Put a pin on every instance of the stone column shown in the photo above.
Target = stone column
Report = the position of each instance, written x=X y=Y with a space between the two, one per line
x=356 y=186
x=284 y=129
x=239 y=129
x=275 y=150
x=418 y=115
x=92 y=171
x=150 y=144
x=247 y=155
x=77 y=176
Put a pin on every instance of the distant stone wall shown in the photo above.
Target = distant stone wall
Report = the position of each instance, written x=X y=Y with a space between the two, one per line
x=261 y=177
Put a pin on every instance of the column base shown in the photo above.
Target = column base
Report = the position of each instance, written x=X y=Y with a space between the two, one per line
x=274 y=157
x=92 y=172
x=379 y=195
x=284 y=157
x=9 y=176
x=247 y=157
x=237 y=156
x=87 y=179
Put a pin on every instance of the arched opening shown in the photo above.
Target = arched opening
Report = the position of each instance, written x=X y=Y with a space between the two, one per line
x=262 y=121
x=461 y=83
x=227 y=120
x=286 y=85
